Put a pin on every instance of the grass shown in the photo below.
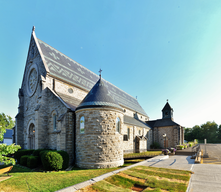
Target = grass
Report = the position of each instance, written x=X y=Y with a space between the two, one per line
x=146 y=179
x=161 y=174
x=26 y=180
x=147 y=153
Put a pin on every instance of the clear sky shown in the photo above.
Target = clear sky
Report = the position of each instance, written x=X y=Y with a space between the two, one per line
x=153 y=49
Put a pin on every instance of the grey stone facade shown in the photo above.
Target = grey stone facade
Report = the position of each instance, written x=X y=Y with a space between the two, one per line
x=47 y=116
x=54 y=87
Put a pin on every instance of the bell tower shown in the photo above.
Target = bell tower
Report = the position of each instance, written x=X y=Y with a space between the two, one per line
x=167 y=112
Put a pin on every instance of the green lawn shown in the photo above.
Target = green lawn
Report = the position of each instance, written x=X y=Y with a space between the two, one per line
x=145 y=179
x=24 y=179
x=147 y=153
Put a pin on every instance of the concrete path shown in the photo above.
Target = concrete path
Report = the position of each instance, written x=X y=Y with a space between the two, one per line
x=206 y=178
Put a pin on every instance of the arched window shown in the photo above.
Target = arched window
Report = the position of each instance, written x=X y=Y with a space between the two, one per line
x=128 y=133
x=54 y=122
x=82 y=124
x=139 y=132
x=118 y=124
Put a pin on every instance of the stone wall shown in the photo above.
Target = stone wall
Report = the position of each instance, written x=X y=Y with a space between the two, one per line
x=100 y=146
x=171 y=133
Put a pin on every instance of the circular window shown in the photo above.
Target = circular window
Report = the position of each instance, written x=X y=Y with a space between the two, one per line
x=70 y=90
x=32 y=81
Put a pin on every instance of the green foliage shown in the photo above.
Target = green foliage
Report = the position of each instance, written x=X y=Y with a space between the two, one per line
x=24 y=159
x=65 y=158
x=179 y=147
x=8 y=149
x=22 y=152
x=37 y=152
x=32 y=161
x=155 y=145
x=51 y=160
x=210 y=131
x=6 y=122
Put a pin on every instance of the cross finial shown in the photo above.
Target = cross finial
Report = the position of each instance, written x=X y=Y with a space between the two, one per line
x=167 y=100
x=100 y=72
x=33 y=28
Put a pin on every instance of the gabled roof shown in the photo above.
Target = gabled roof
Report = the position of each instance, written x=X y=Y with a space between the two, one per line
x=167 y=107
x=65 y=68
x=162 y=123
x=99 y=96
x=136 y=122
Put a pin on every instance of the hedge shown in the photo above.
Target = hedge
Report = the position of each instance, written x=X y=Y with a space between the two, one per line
x=21 y=153
x=32 y=161
x=65 y=158
x=23 y=160
x=51 y=160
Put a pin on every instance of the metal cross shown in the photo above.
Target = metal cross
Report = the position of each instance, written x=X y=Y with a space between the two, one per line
x=167 y=100
x=100 y=72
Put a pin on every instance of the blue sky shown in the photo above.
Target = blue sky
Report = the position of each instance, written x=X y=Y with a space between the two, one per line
x=153 y=49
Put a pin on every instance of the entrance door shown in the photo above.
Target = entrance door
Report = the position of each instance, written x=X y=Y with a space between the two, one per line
x=165 y=143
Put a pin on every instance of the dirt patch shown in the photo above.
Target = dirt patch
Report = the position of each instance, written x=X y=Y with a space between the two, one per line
x=171 y=180
x=132 y=178
x=138 y=188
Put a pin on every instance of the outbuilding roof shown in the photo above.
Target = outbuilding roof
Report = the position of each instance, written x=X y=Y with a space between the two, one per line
x=161 y=123
x=136 y=122
x=167 y=107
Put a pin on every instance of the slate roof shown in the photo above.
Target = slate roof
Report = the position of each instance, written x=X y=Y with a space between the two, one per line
x=63 y=67
x=167 y=107
x=99 y=96
x=135 y=122
x=161 y=123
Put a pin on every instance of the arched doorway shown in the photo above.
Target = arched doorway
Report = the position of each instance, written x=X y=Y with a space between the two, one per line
x=31 y=136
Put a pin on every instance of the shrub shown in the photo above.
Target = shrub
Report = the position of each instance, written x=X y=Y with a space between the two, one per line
x=37 y=152
x=23 y=152
x=23 y=160
x=179 y=147
x=51 y=160
x=32 y=161
x=65 y=157
x=155 y=145
x=185 y=146
x=190 y=144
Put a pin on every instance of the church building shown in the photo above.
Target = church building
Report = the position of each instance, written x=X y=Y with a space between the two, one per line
x=65 y=106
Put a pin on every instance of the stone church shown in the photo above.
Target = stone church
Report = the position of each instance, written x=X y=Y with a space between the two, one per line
x=65 y=106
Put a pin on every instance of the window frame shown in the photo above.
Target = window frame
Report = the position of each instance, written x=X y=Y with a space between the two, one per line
x=54 y=122
x=82 y=125
x=118 y=124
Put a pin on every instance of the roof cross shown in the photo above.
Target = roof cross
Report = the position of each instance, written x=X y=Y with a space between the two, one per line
x=100 y=72
x=167 y=100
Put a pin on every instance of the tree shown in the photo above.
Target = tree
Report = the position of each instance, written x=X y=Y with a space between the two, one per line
x=6 y=122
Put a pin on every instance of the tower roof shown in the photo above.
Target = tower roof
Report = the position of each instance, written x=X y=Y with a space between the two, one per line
x=99 y=96
x=167 y=107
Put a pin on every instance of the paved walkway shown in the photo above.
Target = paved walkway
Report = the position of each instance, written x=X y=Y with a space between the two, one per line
x=206 y=178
